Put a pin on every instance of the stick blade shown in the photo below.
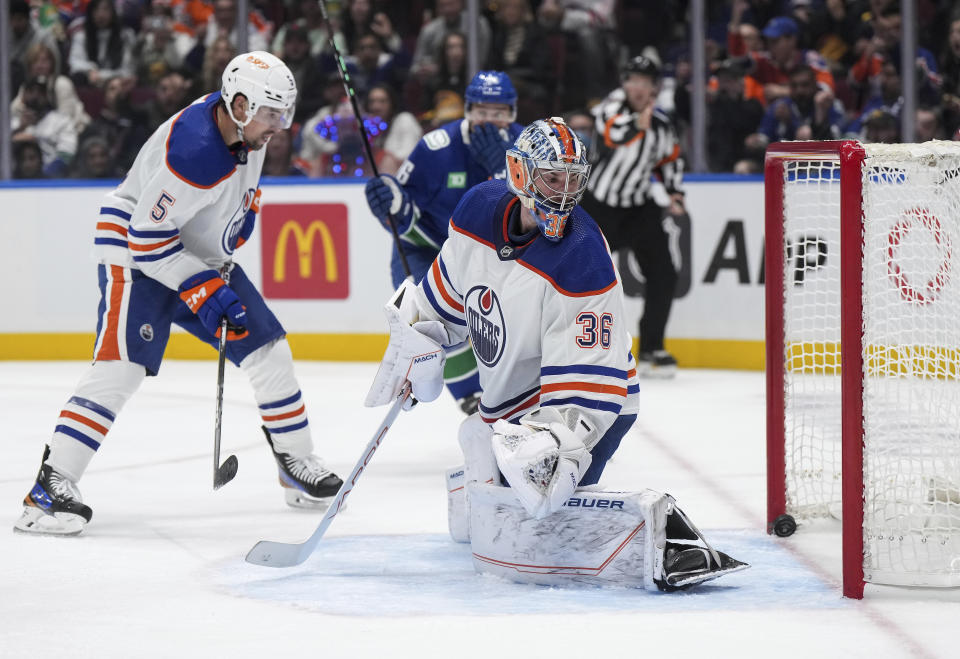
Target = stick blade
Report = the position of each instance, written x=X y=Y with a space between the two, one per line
x=226 y=472
x=276 y=554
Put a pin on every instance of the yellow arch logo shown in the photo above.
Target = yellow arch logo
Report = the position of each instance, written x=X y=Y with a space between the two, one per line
x=304 y=241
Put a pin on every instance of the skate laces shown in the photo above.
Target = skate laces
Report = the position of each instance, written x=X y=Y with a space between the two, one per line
x=63 y=488
x=309 y=469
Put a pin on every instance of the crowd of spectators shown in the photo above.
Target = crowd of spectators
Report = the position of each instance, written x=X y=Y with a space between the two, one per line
x=93 y=78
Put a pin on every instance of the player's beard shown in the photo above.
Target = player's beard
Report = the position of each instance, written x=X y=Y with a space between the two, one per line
x=259 y=143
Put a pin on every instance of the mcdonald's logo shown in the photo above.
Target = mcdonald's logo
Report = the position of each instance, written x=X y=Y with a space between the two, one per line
x=305 y=251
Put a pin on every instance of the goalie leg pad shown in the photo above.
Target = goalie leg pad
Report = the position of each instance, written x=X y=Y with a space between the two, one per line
x=597 y=537
x=458 y=521
x=479 y=466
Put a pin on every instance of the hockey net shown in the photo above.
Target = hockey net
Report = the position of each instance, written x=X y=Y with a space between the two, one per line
x=863 y=352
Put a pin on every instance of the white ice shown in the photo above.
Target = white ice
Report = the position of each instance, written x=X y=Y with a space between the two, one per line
x=160 y=573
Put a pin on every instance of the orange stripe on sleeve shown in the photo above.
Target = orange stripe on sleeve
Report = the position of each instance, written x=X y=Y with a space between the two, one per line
x=438 y=277
x=110 y=226
x=152 y=246
x=583 y=386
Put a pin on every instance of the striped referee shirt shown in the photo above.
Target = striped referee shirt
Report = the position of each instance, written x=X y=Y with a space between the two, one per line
x=624 y=157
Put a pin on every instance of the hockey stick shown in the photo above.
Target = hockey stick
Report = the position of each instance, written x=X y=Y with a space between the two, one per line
x=222 y=474
x=282 y=554
x=348 y=88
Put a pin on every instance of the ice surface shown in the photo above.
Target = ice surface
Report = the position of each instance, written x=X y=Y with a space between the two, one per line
x=160 y=573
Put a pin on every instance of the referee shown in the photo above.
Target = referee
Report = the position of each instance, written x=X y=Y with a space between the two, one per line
x=633 y=141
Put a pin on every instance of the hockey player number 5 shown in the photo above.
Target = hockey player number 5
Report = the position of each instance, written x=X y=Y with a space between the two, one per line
x=159 y=210
x=594 y=330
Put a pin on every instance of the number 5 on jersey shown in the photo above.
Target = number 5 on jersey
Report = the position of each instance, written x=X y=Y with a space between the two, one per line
x=159 y=210
x=594 y=330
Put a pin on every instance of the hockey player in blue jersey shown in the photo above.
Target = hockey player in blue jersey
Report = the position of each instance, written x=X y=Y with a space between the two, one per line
x=443 y=166
x=164 y=241
x=527 y=275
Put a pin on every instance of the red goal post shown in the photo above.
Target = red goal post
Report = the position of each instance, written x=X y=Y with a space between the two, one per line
x=863 y=352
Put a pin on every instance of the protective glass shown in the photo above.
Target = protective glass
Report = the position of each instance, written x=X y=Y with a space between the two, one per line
x=276 y=118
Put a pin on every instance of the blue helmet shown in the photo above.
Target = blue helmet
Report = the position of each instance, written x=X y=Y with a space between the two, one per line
x=547 y=169
x=491 y=87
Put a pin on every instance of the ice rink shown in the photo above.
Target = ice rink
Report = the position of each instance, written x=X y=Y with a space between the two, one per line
x=159 y=572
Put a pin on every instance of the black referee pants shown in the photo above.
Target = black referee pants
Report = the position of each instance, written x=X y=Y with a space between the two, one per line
x=640 y=229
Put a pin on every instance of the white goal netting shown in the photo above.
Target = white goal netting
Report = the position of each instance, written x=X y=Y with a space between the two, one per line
x=911 y=351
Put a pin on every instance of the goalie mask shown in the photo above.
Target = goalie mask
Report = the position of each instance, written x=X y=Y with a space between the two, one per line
x=547 y=169
x=267 y=84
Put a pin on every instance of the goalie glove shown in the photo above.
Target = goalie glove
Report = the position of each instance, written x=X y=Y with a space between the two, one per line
x=542 y=459
x=414 y=354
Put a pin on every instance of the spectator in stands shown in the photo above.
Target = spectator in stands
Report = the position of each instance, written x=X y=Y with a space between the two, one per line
x=103 y=49
x=518 y=47
x=43 y=62
x=160 y=49
x=888 y=97
x=53 y=131
x=223 y=23
x=590 y=36
x=306 y=71
x=123 y=127
x=393 y=134
x=834 y=26
x=362 y=18
x=885 y=46
x=370 y=64
x=768 y=78
x=279 y=157
x=171 y=96
x=215 y=60
x=806 y=114
x=928 y=125
x=450 y=71
x=320 y=135
x=950 y=66
x=311 y=22
x=742 y=38
x=881 y=127
x=451 y=16
x=93 y=159
x=23 y=35
x=732 y=117
x=27 y=160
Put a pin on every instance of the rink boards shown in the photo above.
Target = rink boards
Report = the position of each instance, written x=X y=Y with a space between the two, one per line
x=322 y=261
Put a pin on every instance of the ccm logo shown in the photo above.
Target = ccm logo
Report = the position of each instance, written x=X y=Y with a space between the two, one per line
x=424 y=358
x=197 y=297
x=574 y=502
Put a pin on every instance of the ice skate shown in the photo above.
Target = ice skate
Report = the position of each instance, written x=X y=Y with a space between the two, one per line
x=306 y=482
x=656 y=364
x=469 y=404
x=53 y=506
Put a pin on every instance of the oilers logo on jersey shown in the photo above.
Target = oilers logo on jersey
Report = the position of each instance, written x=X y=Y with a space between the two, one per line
x=232 y=231
x=488 y=331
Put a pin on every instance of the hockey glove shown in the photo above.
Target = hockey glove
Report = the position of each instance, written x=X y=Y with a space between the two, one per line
x=488 y=148
x=386 y=197
x=542 y=459
x=208 y=296
x=414 y=354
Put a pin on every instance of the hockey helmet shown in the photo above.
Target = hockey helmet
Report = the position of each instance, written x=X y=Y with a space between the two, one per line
x=547 y=169
x=267 y=84
x=642 y=65
x=492 y=87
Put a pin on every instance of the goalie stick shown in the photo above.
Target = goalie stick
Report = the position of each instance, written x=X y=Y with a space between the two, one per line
x=283 y=554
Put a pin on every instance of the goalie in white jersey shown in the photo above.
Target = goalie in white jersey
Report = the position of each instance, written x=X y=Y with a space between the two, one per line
x=164 y=242
x=527 y=276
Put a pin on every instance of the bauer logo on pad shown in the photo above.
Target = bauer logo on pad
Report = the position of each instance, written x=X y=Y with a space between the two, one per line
x=305 y=251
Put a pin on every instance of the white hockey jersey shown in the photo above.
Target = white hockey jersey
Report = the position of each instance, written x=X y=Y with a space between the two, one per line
x=181 y=207
x=546 y=319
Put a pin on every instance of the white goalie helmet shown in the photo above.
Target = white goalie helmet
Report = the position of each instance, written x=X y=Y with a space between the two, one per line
x=267 y=84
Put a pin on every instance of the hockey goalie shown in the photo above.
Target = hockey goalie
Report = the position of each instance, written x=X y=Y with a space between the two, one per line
x=526 y=275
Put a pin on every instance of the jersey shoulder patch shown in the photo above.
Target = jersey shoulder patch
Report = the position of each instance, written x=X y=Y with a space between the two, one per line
x=577 y=265
x=437 y=139
x=195 y=150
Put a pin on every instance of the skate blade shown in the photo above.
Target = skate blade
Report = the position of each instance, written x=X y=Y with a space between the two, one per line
x=657 y=372
x=297 y=499
x=34 y=521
